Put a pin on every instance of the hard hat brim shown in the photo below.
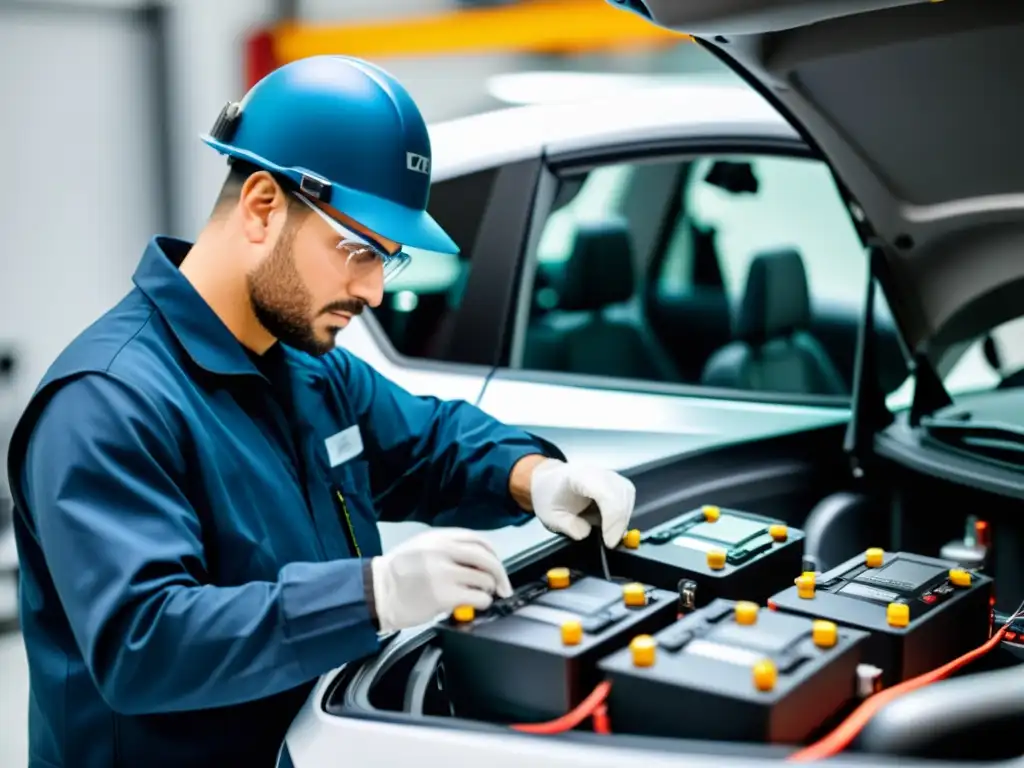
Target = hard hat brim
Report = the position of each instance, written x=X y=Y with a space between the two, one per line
x=409 y=227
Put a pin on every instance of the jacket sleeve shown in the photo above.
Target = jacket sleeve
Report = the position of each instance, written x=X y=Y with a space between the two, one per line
x=443 y=462
x=103 y=482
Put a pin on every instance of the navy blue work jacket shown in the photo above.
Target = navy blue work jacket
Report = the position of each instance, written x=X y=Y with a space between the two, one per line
x=193 y=524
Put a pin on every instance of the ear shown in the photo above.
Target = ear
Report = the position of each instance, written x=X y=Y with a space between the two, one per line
x=263 y=206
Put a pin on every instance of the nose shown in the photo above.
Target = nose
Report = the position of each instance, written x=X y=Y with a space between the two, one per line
x=369 y=285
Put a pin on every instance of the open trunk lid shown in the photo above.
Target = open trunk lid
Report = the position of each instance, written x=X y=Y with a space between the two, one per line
x=918 y=108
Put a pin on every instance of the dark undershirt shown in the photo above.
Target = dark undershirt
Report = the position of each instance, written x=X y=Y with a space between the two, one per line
x=272 y=365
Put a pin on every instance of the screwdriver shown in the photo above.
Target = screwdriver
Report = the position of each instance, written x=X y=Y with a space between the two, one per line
x=593 y=516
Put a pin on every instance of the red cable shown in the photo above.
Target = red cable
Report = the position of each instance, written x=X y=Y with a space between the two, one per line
x=840 y=738
x=587 y=708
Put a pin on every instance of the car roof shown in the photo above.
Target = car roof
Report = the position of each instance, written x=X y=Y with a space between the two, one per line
x=655 y=113
x=916 y=105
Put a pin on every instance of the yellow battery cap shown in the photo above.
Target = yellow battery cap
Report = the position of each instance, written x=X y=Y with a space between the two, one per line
x=642 y=647
x=874 y=557
x=765 y=675
x=634 y=594
x=632 y=539
x=558 y=578
x=572 y=632
x=746 y=612
x=778 y=532
x=464 y=613
x=824 y=634
x=805 y=584
x=716 y=559
x=897 y=614
x=711 y=513
x=960 y=578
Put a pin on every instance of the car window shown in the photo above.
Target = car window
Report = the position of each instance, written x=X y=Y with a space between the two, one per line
x=795 y=206
x=419 y=306
x=663 y=291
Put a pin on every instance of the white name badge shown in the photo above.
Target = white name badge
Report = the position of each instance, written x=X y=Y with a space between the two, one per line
x=345 y=445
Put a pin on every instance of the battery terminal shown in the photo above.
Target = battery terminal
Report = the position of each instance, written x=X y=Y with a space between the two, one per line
x=746 y=613
x=824 y=634
x=558 y=578
x=631 y=539
x=643 y=650
x=959 y=577
x=634 y=595
x=765 y=675
x=716 y=559
x=572 y=632
x=898 y=614
x=874 y=557
x=464 y=614
x=805 y=585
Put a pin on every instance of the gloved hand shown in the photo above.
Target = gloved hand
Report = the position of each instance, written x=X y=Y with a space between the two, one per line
x=562 y=491
x=432 y=573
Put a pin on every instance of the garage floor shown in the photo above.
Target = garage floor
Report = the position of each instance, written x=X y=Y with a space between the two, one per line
x=14 y=672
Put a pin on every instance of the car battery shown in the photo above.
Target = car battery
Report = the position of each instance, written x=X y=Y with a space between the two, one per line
x=734 y=671
x=922 y=612
x=533 y=656
x=711 y=553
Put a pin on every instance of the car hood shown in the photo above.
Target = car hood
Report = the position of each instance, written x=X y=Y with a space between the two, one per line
x=917 y=107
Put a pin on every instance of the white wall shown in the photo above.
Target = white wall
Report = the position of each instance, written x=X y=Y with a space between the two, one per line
x=79 y=149
x=207 y=39
x=76 y=148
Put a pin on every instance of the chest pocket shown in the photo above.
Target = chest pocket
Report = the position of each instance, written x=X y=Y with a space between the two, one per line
x=353 y=499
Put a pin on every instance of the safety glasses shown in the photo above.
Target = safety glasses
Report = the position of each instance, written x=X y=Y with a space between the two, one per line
x=361 y=253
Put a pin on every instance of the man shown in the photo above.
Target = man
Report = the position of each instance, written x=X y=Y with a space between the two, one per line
x=199 y=476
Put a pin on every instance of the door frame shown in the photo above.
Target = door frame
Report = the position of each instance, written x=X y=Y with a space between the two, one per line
x=576 y=161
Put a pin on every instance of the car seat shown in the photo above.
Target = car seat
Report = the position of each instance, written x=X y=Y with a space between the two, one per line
x=772 y=349
x=598 y=328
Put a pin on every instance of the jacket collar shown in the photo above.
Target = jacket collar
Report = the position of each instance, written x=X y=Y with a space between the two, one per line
x=197 y=327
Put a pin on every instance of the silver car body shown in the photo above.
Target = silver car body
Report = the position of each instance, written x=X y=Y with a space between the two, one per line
x=613 y=428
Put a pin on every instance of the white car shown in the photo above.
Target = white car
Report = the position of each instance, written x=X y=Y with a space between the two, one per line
x=818 y=327
x=548 y=202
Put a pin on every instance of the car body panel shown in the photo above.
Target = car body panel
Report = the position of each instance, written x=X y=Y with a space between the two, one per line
x=504 y=136
x=318 y=739
x=620 y=429
x=611 y=425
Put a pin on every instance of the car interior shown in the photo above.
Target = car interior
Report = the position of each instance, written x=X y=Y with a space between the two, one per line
x=636 y=321
x=598 y=326
x=669 y=320
x=773 y=349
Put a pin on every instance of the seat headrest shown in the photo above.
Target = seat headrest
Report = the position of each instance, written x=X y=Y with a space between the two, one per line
x=600 y=268
x=776 y=301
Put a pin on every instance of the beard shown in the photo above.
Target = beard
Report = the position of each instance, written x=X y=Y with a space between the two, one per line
x=284 y=306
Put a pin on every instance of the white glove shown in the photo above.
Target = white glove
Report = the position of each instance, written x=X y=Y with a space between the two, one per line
x=432 y=573
x=561 y=492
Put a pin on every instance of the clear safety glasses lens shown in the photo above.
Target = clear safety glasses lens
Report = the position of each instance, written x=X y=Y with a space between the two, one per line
x=356 y=245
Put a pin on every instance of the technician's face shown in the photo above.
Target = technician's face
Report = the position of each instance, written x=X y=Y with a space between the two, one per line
x=311 y=284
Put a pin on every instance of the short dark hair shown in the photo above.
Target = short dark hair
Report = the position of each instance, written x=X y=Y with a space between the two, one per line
x=238 y=173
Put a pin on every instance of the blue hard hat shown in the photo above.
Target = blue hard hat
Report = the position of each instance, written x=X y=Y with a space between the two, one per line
x=346 y=133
